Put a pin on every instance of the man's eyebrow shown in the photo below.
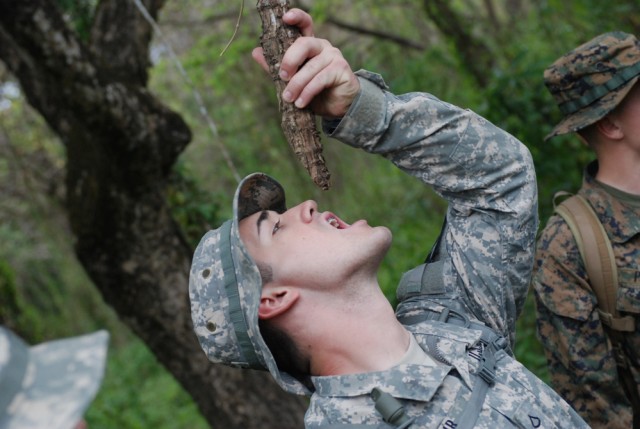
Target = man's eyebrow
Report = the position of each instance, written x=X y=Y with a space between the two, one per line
x=264 y=215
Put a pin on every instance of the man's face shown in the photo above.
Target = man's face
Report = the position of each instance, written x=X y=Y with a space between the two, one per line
x=628 y=112
x=308 y=248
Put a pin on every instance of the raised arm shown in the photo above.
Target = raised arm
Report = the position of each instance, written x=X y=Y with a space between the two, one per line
x=486 y=174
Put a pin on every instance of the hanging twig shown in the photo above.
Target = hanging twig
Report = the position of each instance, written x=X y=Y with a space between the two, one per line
x=235 y=30
x=298 y=125
x=203 y=109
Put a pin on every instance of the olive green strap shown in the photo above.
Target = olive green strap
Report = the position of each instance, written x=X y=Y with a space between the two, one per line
x=236 y=314
x=597 y=254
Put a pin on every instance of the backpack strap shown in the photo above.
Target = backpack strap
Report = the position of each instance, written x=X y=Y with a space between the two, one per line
x=490 y=342
x=597 y=254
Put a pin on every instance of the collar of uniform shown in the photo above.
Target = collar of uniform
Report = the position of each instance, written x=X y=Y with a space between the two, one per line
x=625 y=221
x=415 y=382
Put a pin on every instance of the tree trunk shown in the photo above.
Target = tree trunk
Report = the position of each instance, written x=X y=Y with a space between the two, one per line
x=121 y=144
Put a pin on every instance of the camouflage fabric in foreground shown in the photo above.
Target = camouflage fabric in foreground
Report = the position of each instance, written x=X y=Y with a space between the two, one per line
x=49 y=385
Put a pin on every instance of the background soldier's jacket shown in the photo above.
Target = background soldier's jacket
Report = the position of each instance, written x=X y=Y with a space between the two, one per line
x=487 y=176
x=582 y=367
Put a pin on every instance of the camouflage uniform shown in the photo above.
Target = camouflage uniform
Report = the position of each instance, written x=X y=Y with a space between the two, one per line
x=588 y=83
x=49 y=385
x=582 y=367
x=484 y=256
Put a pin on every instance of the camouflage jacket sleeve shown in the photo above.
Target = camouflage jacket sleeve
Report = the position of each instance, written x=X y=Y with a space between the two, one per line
x=486 y=175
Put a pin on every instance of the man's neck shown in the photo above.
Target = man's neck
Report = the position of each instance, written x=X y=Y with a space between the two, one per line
x=357 y=338
x=618 y=168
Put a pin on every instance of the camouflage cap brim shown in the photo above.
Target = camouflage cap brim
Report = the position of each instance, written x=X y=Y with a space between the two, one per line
x=225 y=287
x=258 y=192
x=51 y=384
x=593 y=112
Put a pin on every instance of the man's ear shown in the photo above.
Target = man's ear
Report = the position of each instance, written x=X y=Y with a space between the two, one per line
x=609 y=127
x=276 y=300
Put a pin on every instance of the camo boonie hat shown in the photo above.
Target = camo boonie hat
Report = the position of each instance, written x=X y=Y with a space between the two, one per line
x=591 y=80
x=225 y=287
x=49 y=385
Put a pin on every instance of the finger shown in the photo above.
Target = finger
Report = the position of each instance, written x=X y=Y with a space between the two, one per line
x=307 y=82
x=300 y=19
x=316 y=55
x=332 y=76
x=258 y=56
x=302 y=49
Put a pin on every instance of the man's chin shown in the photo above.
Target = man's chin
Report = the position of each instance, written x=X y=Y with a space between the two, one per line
x=383 y=241
x=386 y=236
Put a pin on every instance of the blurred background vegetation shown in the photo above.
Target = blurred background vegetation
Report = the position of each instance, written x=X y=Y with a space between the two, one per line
x=486 y=55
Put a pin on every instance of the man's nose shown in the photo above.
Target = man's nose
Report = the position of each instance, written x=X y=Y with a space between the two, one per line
x=307 y=210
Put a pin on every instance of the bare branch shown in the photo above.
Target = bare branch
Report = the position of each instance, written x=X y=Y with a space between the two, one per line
x=377 y=34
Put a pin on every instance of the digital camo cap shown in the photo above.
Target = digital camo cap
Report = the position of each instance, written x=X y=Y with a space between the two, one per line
x=225 y=287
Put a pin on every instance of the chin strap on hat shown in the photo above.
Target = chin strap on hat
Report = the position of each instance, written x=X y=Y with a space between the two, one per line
x=240 y=325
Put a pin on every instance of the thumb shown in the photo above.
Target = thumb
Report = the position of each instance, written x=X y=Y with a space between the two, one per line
x=258 y=56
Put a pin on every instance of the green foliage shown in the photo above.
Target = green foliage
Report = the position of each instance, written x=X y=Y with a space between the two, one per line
x=32 y=289
x=9 y=307
x=137 y=393
x=192 y=208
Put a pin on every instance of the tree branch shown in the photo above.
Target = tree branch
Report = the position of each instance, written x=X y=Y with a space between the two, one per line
x=382 y=35
x=404 y=42
x=475 y=55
